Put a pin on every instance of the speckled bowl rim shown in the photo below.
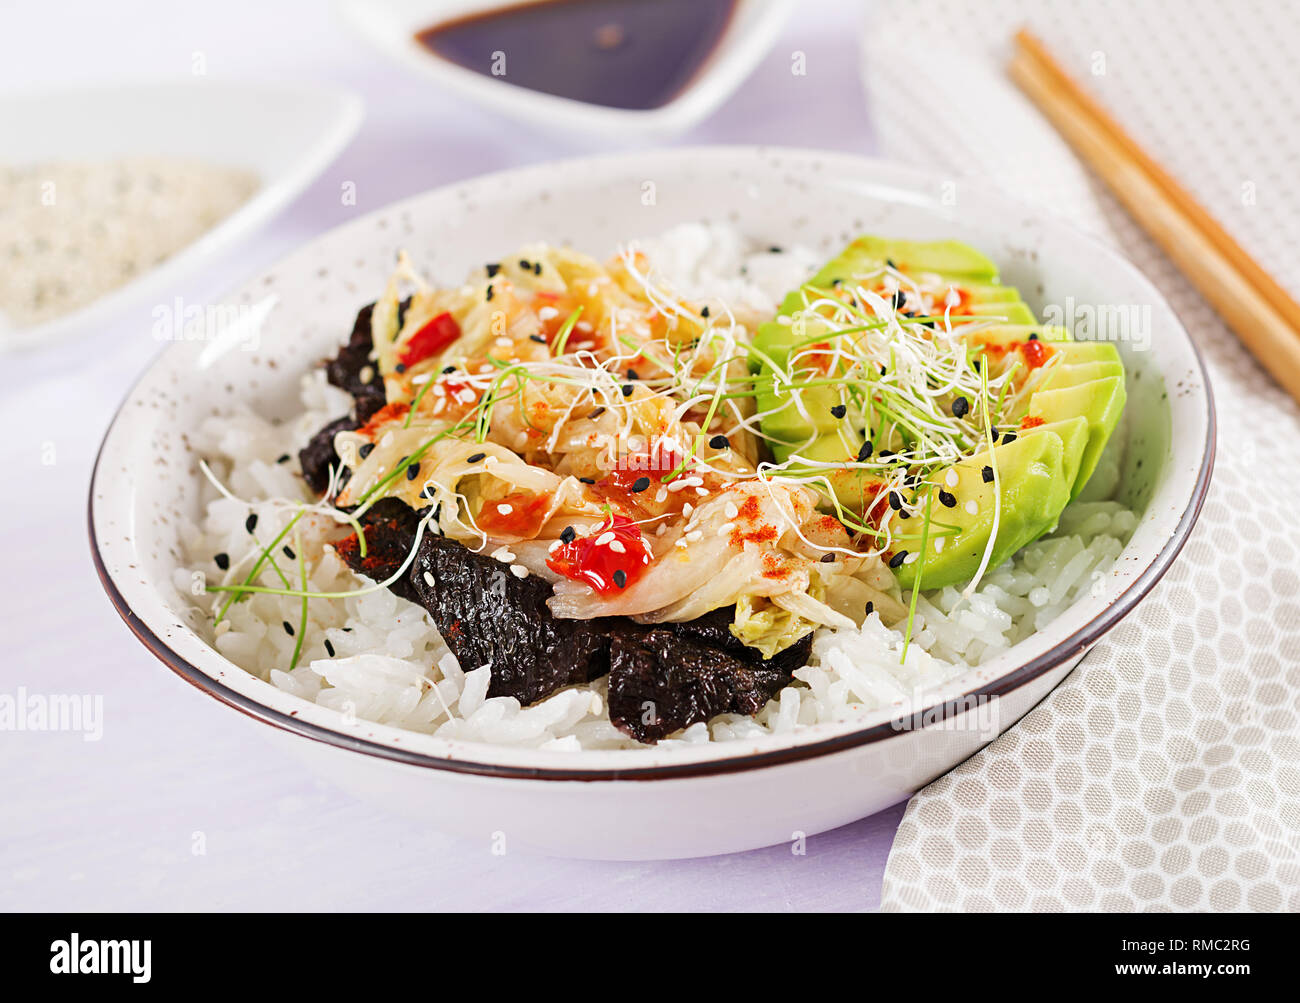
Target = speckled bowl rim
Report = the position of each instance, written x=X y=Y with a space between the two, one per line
x=1073 y=645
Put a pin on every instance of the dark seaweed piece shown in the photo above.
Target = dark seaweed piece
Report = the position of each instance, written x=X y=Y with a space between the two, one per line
x=390 y=526
x=318 y=455
x=663 y=681
x=345 y=369
x=488 y=615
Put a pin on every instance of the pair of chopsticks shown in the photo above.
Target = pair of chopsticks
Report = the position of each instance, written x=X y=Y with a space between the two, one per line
x=1262 y=315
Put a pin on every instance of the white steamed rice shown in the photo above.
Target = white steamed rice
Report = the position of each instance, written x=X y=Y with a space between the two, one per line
x=390 y=666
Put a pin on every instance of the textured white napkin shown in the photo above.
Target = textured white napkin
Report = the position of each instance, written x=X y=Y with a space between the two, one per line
x=1164 y=773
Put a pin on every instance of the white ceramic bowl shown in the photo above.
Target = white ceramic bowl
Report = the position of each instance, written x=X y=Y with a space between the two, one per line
x=640 y=804
x=286 y=134
x=390 y=26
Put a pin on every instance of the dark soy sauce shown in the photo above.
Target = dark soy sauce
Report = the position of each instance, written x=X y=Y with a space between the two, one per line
x=633 y=54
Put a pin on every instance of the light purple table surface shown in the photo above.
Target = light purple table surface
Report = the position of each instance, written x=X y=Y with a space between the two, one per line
x=113 y=824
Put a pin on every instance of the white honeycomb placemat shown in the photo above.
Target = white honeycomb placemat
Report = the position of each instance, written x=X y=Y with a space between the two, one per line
x=1164 y=773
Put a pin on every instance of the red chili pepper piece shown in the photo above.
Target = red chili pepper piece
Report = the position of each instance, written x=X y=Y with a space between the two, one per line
x=601 y=564
x=429 y=340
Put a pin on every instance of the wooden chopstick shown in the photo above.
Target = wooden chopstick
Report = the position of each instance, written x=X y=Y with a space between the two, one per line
x=1255 y=307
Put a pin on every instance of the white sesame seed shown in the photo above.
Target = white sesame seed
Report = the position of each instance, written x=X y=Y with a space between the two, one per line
x=726 y=528
x=367 y=374
x=505 y=509
x=951 y=479
x=605 y=539
x=702 y=492
x=910 y=558
x=429 y=580
x=694 y=536
x=663 y=528
x=687 y=509
x=547 y=313
x=731 y=511
x=938 y=544
x=503 y=555
x=618 y=548
x=661 y=496
x=971 y=507
x=519 y=571
x=555 y=545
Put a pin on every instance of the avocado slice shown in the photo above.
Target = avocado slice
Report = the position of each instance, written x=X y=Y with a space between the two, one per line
x=1032 y=471
x=948 y=258
x=1100 y=401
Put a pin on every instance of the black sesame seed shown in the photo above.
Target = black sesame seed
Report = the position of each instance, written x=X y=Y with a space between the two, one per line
x=366 y=449
x=627 y=389
x=839 y=410
x=895 y=502
x=975 y=365
x=476 y=457
x=897 y=560
x=774 y=249
x=596 y=413
x=537 y=268
x=632 y=375
x=620 y=578
x=827 y=558
x=586 y=480
x=448 y=369
x=865 y=452
x=288 y=627
x=222 y=561
x=890 y=263
x=1008 y=437
x=489 y=294
x=283 y=458
x=947 y=499
x=568 y=534
x=413 y=471
x=704 y=313
x=871 y=607
x=987 y=474
x=960 y=407
x=640 y=484
x=899 y=298
x=720 y=442
x=525 y=264
x=329 y=648
x=250 y=523
x=428 y=491
x=288 y=552
x=904 y=515
x=537 y=338
x=400 y=368
x=1033 y=337
x=492 y=268
x=837 y=282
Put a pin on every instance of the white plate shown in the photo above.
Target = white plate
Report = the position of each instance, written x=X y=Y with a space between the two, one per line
x=286 y=134
x=390 y=25
x=716 y=797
